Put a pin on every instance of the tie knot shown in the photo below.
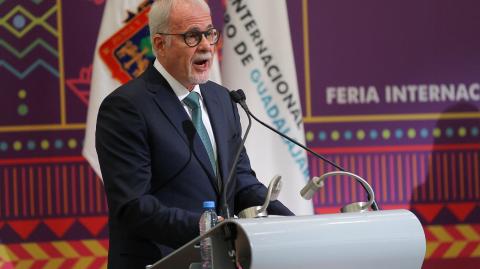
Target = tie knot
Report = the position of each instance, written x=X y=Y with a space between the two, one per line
x=192 y=100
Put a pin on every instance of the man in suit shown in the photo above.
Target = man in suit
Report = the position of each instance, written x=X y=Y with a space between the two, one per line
x=166 y=142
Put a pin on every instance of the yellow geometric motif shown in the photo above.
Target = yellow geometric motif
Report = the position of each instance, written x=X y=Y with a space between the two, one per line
x=39 y=254
x=445 y=245
x=34 y=21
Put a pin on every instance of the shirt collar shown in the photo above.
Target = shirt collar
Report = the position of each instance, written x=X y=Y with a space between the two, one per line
x=180 y=91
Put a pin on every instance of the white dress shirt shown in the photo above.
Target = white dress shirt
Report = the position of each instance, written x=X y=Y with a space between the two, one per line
x=181 y=93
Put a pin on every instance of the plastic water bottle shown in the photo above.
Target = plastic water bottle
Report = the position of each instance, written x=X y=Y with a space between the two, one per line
x=207 y=221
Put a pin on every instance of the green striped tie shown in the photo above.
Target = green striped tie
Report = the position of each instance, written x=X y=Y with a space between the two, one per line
x=192 y=101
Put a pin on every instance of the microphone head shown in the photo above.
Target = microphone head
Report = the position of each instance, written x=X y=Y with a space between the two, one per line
x=239 y=97
x=311 y=188
x=308 y=191
x=236 y=97
x=242 y=95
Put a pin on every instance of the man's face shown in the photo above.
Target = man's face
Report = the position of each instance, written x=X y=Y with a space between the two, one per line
x=188 y=65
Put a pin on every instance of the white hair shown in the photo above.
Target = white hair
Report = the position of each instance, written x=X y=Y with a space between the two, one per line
x=159 y=16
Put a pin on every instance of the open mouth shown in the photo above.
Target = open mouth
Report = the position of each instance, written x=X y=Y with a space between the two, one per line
x=201 y=63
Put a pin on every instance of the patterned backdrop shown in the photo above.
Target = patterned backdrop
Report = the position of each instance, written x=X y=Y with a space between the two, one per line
x=420 y=156
x=52 y=206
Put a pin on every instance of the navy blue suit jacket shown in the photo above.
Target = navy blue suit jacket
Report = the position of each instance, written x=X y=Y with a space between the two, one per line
x=157 y=173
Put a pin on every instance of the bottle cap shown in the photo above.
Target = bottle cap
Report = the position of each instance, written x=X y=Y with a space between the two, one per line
x=209 y=204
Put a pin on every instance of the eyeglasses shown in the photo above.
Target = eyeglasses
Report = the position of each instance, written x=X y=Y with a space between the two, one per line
x=194 y=37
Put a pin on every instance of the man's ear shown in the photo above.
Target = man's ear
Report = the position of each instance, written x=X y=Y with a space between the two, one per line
x=159 y=44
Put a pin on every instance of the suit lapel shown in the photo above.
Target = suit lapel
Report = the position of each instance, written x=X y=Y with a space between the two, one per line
x=173 y=109
x=218 y=121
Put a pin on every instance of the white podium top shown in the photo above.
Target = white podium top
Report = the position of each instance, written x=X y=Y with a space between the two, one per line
x=391 y=239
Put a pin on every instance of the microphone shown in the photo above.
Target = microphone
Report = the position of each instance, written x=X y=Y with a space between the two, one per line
x=274 y=189
x=311 y=188
x=239 y=97
x=316 y=183
x=234 y=96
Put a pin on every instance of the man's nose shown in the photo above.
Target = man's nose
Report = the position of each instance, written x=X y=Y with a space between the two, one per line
x=204 y=43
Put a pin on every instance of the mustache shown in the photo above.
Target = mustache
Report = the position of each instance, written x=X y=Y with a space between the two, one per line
x=206 y=56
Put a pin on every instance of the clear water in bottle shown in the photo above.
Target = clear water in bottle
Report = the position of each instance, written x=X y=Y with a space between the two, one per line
x=207 y=221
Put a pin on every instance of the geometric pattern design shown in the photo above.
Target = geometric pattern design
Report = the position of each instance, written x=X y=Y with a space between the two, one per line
x=52 y=205
x=49 y=188
x=39 y=42
x=346 y=134
x=447 y=213
x=91 y=254
x=452 y=241
x=444 y=241
x=428 y=214
x=51 y=229
x=34 y=21
x=403 y=174
x=80 y=86
x=22 y=74
x=31 y=45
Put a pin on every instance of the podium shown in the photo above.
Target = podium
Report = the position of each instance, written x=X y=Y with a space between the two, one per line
x=390 y=239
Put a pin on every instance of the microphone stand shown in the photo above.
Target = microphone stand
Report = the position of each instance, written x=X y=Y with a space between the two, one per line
x=230 y=232
x=234 y=164
x=316 y=183
x=240 y=98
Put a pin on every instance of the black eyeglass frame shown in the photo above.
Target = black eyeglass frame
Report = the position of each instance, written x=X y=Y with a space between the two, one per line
x=197 y=34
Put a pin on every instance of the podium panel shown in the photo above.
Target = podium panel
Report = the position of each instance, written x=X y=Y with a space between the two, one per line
x=389 y=239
